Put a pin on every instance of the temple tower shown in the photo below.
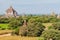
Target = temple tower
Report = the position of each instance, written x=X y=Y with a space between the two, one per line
x=10 y=12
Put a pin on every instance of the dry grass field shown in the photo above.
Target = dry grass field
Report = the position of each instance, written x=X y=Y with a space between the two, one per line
x=5 y=31
x=18 y=38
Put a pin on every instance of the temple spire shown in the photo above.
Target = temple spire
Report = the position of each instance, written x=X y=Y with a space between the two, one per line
x=24 y=20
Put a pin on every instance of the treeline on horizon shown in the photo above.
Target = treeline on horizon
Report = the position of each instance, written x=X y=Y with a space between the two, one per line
x=33 y=14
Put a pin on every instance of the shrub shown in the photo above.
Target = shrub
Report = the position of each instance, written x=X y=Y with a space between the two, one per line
x=56 y=26
x=32 y=29
x=51 y=34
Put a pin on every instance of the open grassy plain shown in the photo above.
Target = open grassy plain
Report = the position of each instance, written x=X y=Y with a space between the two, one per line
x=4 y=25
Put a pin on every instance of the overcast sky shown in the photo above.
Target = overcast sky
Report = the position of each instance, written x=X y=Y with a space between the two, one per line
x=31 y=6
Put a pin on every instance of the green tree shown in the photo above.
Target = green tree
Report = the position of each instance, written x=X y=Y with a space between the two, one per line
x=4 y=20
x=53 y=19
x=33 y=28
x=51 y=34
x=56 y=26
x=15 y=22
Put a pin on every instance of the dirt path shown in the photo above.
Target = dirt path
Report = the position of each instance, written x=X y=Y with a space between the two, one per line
x=5 y=35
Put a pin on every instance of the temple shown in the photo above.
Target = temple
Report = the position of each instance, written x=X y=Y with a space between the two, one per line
x=10 y=12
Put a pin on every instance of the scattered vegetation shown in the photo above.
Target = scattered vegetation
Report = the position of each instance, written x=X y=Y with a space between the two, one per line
x=46 y=27
x=51 y=34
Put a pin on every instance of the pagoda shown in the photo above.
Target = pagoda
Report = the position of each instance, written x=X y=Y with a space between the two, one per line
x=10 y=12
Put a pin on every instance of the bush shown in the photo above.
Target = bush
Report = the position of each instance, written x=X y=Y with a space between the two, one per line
x=50 y=27
x=4 y=20
x=51 y=34
x=40 y=38
x=16 y=31
x=14 y=23
x=35 y=29
x=32 y=29
x=56 y=26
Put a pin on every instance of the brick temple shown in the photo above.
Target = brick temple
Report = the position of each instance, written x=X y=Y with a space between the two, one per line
x=10 y=12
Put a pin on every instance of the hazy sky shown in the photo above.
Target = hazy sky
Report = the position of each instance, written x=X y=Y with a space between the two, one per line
x=31 y=6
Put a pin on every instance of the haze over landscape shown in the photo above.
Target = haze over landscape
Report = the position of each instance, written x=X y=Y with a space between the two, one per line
x=31 y=6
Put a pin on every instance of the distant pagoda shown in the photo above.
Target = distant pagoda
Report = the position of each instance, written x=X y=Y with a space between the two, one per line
x=58 y=16
x=53 y=14
x=10 y=12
